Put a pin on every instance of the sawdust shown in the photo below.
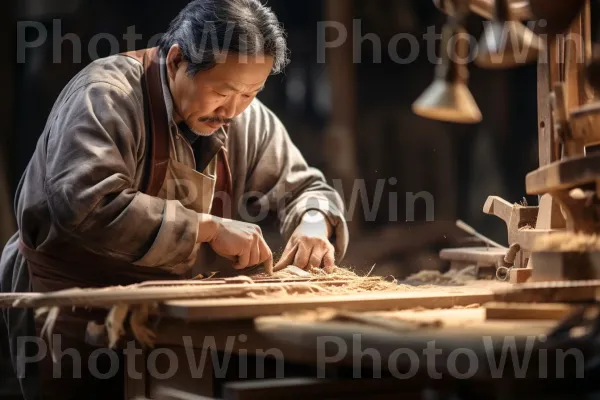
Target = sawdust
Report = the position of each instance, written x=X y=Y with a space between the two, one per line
x=451 y=277
x=335 y=273
x=353 y=283
x=567 y=241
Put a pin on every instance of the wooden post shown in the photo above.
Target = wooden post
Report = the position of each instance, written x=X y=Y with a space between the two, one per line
x=340 y=147
x=570 y=50
x=547 y=74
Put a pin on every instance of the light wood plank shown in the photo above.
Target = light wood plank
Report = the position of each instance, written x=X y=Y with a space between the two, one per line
x=250 y=308
x=519 y=311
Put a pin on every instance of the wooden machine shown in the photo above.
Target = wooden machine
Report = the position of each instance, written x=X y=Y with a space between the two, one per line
x=555 y=240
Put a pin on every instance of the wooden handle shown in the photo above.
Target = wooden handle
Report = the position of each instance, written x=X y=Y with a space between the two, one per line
x=499 y=207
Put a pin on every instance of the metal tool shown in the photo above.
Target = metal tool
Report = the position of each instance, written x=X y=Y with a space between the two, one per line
x=470 y=230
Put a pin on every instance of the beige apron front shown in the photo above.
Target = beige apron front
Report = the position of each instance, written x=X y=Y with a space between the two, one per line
x=196 y=191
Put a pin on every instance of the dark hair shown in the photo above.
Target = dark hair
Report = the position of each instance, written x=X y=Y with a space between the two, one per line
x=206 y=27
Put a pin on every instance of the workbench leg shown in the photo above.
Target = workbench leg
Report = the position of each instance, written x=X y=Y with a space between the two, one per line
x=135 y=373
x=181 y=369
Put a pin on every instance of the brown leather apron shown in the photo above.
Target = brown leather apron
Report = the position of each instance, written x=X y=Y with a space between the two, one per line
x=65 y=265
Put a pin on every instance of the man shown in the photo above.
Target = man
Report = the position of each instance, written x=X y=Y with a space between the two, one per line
x=147 y=164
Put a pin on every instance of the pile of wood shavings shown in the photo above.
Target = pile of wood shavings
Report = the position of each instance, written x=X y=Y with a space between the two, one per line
x=354 y=283
x=567 y=241
x=451 y=277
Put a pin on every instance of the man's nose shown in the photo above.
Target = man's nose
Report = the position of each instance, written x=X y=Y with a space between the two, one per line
x=228 y=110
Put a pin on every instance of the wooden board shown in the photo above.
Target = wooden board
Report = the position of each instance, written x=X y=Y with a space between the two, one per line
x=110 y=296
x=7 y=299
x=551 y=292
x=249 y=308
x=566 y=174
x=526 y=311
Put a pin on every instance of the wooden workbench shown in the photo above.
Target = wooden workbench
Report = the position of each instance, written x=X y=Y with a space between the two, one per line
x=278 y=338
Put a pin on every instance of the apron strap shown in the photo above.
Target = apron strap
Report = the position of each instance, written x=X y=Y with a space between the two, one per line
x=159 y=123
x=157 y=120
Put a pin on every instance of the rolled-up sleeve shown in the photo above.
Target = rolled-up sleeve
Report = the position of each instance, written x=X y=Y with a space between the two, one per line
x=95 y=148
x=286 y=183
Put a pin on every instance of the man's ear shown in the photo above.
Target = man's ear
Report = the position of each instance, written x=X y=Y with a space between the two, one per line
x=174 y=60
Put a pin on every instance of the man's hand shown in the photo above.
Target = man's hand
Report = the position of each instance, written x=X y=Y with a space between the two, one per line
x=241 y=242
x=309 y=245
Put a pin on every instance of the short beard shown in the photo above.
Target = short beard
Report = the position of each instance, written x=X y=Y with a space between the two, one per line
x=205 y=134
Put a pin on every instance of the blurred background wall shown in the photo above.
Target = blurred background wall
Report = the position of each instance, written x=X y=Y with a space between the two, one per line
x=350 y=116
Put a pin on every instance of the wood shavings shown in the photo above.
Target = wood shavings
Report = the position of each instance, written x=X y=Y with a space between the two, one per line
x=115 y=323
x=567 y=241
x=451 y=277
x=354 y=283
x=48 y=327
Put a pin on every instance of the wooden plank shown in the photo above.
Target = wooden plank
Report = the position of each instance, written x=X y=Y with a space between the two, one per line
x=108 y=297
x=550 y=292
x=541 y=311
x=307 y=334
x=571 y=172
x=220 y=309
x=7 y=299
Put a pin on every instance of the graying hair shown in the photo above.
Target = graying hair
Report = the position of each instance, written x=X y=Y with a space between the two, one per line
x=205 y=28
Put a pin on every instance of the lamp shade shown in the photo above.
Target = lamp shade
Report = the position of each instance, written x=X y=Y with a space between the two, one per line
x=449 y=102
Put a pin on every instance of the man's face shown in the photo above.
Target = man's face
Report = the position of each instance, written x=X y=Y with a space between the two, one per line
x=211 y=98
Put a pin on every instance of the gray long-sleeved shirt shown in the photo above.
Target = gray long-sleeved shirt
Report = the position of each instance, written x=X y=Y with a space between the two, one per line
x=84 y=178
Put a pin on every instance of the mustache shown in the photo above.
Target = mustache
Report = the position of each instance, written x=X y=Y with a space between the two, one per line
x=216 y=120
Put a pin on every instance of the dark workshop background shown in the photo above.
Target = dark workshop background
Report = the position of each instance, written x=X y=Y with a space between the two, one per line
x=352 y=120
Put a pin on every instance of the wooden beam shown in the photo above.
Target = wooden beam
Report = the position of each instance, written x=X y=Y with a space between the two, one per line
x=340 y=146
x=110 y=296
